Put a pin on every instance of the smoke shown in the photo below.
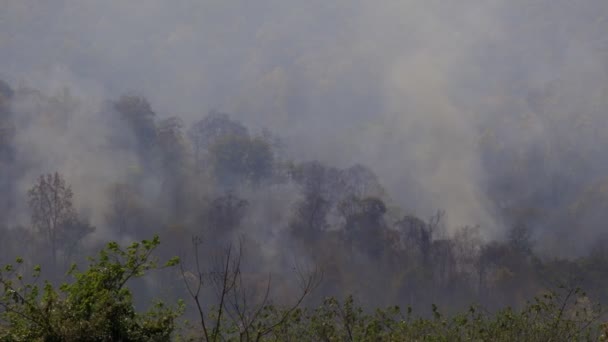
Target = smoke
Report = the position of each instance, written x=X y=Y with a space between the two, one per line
x=60 y=127
x=409 y=88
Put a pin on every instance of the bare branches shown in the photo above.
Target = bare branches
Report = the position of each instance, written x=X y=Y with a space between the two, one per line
x=239 y=309
x=308 y=282
x=227 y=284
x=196 y=290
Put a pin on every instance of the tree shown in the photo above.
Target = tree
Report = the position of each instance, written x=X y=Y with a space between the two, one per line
x=360 y=181
x=443 y=261
x=316 y=183
x=315 y=177
x=72 y=233
x=138 y=114
x=417 y=235
x=210 y=129
x=15 y=241
x=53 y=214
x=171 y=141
x=123 y=211
x=239 y=314
x=365 y=225
x=520 y=239
x=237 y=159
x=224 y=214
x=416 y=238
x=6 y=123
x=174 y=159
x=96 y=305
x=8 y=173
x=310 y=217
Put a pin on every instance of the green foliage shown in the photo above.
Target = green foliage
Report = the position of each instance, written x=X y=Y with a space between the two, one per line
x=95 y=306
x=563 y=315
x=554 y=316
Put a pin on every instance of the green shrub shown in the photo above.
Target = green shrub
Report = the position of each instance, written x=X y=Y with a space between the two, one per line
x=96 y=306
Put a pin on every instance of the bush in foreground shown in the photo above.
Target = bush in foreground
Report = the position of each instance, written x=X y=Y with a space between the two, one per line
x=96 y=306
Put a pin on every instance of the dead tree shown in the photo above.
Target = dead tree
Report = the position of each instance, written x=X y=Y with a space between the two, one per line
x=234 y=305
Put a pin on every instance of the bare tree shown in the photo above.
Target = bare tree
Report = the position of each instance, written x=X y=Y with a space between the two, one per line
x=234 y=302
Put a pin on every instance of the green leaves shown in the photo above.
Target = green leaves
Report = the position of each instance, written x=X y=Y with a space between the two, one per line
x=555 y=316
x=172 y=262
x=96 y=306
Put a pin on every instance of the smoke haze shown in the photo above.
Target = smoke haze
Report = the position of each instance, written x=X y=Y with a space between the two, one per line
x=439 y=98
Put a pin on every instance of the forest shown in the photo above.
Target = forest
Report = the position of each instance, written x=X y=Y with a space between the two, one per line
x=219 y=171
x=239 y=215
